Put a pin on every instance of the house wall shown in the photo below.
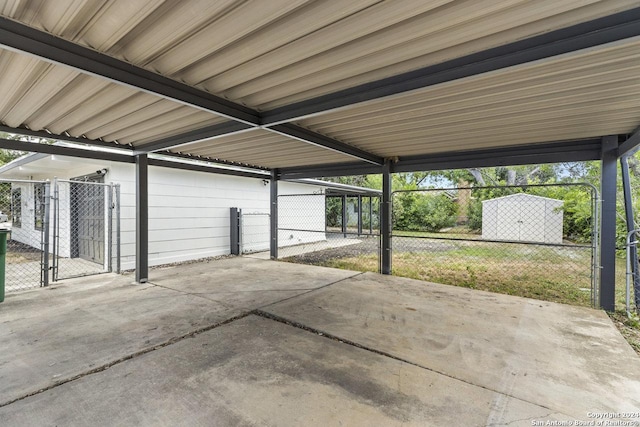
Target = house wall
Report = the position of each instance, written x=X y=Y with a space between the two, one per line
x=189 y=211
x=26 y=233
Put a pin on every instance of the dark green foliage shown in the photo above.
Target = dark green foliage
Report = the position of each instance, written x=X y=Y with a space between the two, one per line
x=423 y=211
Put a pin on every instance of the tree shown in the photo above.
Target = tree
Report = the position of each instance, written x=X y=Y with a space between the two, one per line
x=7 y=156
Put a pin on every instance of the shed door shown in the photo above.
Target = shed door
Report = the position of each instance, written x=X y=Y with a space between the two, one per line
x=88 y=221
x=521 y=220
x=509 y=217
x=532 y=220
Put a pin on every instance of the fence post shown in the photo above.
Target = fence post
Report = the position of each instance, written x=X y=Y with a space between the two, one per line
x=110 y=227
x=45 y=231
x=629 y=215
x=56 y=230
x=385 y=218
x=117 y=207
x=608 y=223
x=344 y=215
x=273 y=219
x=370 y=215
x=359 y=215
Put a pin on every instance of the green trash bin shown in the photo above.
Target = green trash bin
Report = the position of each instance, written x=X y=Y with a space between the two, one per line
x=3 y=258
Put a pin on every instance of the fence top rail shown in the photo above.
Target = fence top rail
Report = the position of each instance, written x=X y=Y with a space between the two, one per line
x=302 y=194
x=70 y=181
x=487 y=187
x=23 y=181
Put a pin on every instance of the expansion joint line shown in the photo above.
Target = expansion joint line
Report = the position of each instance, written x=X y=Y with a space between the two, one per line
x=324 y=334
x=108 y=365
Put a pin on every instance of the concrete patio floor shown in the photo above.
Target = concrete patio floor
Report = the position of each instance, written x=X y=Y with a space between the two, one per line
x=246 y=341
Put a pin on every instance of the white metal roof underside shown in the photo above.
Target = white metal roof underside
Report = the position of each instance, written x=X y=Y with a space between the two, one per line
x=270 y=54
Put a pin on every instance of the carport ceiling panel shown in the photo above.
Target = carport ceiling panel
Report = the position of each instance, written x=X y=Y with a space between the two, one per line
x=588 y=93
x=41 y=96
x=266 y=54
x=260 y=147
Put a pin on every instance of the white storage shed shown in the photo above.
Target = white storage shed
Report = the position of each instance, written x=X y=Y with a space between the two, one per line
x=522 y=217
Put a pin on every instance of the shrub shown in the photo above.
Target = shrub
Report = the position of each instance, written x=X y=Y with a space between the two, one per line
x=417 y=211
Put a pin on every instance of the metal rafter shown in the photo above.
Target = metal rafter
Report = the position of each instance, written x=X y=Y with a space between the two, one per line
x=552 y=152
x=630 y=144
x=24 y=39
x=197 y=135
x=597 y=32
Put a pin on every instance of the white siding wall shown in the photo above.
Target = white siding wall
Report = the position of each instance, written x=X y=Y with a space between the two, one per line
x=189 y=211
x=26 y=233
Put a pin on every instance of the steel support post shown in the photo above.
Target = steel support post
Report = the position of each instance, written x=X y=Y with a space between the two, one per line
x=344 y=215
x=629 y=216
x=608 y=188
x=142 y=218
x=234 y=235
x=273 y=218
x=385 y=219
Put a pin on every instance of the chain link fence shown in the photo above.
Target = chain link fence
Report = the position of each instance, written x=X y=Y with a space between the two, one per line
x=22 y=210
x=527 y=240
x=330 y=230
x=58 y=230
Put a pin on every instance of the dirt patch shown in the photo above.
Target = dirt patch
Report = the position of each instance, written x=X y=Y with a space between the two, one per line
x=629 y=328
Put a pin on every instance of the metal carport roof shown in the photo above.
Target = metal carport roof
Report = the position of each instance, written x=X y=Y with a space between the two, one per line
x=314 y=88
x=310 y=83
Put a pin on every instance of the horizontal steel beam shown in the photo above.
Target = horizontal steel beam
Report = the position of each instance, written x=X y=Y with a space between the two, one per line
x=305 y=135
x=21 y=38
x=62 y=137
x=630 y=145
x=570 y=39
x=556 y=152
x=9 y=144
x=209 y=132
x=192 y=157
x=206 y=168
x=329 y=170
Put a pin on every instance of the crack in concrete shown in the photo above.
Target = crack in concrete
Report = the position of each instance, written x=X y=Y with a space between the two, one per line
x=292 y=323
x=131 y=356
x=312 y=290
x=173 y=340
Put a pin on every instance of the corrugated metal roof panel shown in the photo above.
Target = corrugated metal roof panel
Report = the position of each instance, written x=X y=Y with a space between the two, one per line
x=264 y=148
x=268 y=54
x=589 y=93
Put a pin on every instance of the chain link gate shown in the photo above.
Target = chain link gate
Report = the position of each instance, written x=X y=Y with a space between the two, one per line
x=59 y=230
x=24 y=209
x=529 y=240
